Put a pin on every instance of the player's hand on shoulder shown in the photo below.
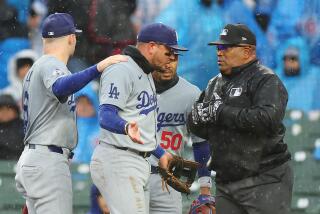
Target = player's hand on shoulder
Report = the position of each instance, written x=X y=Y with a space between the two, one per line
x=110 y=61
x=132 y=130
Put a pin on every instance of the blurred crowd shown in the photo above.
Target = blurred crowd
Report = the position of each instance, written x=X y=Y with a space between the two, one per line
x=288 y=41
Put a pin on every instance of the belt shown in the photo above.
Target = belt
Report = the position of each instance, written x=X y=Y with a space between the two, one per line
x=154 y=169
x=52 y=148
x=142 y=154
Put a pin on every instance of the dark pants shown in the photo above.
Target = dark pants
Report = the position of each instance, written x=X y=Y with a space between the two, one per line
x=268 y=193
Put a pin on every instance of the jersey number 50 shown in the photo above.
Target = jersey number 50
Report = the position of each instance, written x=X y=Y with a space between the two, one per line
x=170 y=141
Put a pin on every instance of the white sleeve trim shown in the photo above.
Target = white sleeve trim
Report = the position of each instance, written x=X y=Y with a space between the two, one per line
x=205 y=181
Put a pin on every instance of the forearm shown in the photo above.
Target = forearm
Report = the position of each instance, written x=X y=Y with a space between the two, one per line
x=110 y=120
x=264 y=113
x=67 y=85
x=201 y=153
x=257 y=119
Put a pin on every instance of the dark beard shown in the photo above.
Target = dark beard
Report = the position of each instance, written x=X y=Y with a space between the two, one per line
x=291 y=72
x=158 y=68
x=163 y=85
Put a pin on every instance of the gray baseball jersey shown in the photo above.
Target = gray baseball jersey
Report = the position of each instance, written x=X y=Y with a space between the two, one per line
x=46 y=120
x=126 y=86
x=174 y=105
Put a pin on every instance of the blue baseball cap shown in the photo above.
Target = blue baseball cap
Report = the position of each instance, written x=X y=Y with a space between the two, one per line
x=161 y=33
x=57 y=25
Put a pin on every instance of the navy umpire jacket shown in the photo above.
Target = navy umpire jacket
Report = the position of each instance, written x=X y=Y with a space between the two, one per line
x=248 y=137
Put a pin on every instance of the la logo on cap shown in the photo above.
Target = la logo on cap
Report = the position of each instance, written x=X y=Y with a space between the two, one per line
x=224 y=32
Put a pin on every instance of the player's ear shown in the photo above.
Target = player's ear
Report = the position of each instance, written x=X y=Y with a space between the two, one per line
x=71 y=39
x=152 y=48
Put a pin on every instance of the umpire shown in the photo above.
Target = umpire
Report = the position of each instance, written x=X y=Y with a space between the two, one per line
x=241 y=114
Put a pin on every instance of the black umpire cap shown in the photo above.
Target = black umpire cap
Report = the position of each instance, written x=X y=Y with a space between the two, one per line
x=235 y=34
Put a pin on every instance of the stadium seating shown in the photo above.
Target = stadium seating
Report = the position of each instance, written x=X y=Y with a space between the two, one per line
x=303 y=131
x=10 y=200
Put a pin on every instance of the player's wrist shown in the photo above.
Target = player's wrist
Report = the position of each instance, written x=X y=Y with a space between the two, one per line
x=158 y=152
x=205 y=181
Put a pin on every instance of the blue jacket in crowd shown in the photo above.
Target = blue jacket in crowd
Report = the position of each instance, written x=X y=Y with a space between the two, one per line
x=303 y=88
x=88 y=128
x=238 y=12
x=196 y=25
x=284 y=20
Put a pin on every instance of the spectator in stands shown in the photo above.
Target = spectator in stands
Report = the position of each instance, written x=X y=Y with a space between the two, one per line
x=36 y=13
x=238 y=11
x=106 y=26
x=299 y=76
x=9 y=24
x=284 y=20
x=18 y=67
x=87 y=123
x=196 y=22
x=22 y=8
x=11 y=126
x=263 y=10
x=147 y=11
x=309 y=27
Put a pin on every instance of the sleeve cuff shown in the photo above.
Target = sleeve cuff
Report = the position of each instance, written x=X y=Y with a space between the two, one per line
x=205 y=181
x=158 y=152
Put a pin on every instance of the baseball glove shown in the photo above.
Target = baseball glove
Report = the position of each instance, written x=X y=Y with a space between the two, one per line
x=180 y=174
x=204 y=204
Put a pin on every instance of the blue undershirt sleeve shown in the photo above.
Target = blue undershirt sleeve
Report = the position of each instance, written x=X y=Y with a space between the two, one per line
x=67 y=85
x=201 y=152
x=110 y=120
x=158 y=152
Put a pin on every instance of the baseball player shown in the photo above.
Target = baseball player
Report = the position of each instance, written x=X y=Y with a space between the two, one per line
x=127 y=117
x=43 y=174
x=175 y=98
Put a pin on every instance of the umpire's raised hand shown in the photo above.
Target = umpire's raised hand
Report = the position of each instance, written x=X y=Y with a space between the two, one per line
x=206 y=112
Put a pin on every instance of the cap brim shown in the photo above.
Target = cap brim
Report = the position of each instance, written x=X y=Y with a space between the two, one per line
x=178 y=48
x=220 y=42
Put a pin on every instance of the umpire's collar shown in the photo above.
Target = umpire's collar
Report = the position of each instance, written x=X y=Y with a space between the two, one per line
x=237 y=70
x=135 y=54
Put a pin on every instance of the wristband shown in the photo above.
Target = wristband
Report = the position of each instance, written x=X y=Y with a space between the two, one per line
x=205 y=181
